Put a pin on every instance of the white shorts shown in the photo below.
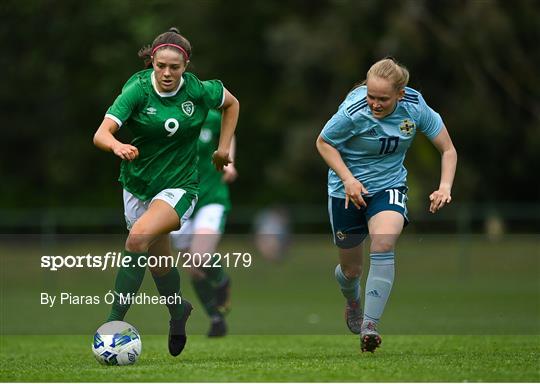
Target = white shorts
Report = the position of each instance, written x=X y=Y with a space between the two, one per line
x=134 y=207
x=210 y=216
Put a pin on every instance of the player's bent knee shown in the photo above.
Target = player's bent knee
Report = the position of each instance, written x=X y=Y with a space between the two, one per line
x=382 y=246
x=138 y=243
x=140 y=238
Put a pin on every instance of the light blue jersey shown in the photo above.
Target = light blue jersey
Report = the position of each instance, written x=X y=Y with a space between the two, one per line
x=374 y=149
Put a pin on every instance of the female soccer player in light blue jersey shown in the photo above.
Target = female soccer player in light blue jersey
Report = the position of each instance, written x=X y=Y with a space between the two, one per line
x=364 y=144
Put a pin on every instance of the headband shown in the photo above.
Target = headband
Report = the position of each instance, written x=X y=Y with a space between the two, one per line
x=182 y=50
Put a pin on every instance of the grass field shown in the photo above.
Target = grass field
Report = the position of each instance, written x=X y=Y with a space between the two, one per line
x=462 y=309
x=281 y=358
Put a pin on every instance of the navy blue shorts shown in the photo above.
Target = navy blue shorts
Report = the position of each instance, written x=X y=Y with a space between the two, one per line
x=350 y=226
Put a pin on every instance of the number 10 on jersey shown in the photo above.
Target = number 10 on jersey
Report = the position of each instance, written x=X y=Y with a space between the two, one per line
x=388 y=144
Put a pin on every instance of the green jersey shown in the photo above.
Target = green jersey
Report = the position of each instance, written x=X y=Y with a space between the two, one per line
x=165 y=127
x=212 y=188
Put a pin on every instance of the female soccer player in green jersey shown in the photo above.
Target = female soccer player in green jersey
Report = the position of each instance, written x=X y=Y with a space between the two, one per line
x=200 y=235
x=364 y=144
x=164 y=108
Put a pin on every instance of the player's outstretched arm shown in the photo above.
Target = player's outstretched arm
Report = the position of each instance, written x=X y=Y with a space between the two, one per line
x=104 y=139
x=443 y=195
x=229 y=118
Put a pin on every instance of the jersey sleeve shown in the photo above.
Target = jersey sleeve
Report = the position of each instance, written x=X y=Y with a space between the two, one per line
x=338 y=129
x=430 y=122
x=209 y=92
x=127 y=102
x=213 y=93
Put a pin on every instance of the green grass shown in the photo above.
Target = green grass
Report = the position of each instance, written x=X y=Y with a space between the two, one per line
x=474 y=302
x=281 y=358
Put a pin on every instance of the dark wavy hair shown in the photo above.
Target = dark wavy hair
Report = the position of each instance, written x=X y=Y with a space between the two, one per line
x=172 y=36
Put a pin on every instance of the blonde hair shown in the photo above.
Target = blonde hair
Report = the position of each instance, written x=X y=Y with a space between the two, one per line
x=391 y=70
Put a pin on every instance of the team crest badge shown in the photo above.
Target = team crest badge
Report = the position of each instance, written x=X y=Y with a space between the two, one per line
x=188 y=108
x=407 y=127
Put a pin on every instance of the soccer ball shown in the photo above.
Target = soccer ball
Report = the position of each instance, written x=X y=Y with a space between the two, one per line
x=117 y=343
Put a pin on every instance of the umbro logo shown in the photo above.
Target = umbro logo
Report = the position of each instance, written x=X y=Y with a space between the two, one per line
x=374 y=293
x=151 y=111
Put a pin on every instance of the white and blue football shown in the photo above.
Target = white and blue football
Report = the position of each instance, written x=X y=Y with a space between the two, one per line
x=117 y=343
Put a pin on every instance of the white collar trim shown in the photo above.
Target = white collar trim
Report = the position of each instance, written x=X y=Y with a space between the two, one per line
x=166 y=94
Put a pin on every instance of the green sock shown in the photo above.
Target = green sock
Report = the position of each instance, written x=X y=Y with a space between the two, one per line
x=128 y=280
x=169 y=285
x=206 y=294
x=216 y=276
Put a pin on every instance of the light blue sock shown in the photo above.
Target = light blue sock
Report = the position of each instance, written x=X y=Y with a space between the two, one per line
x=378 y=285
x=349 y=287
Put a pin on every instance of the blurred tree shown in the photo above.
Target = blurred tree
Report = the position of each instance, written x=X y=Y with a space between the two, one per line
x=290 y=64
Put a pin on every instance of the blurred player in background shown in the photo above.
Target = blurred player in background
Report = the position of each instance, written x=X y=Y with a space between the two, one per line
x=200 y=235
x=273 y=233
x=364 y=144
x=164 y=107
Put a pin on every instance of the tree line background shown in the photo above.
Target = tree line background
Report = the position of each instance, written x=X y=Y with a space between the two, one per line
x=290 y=64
